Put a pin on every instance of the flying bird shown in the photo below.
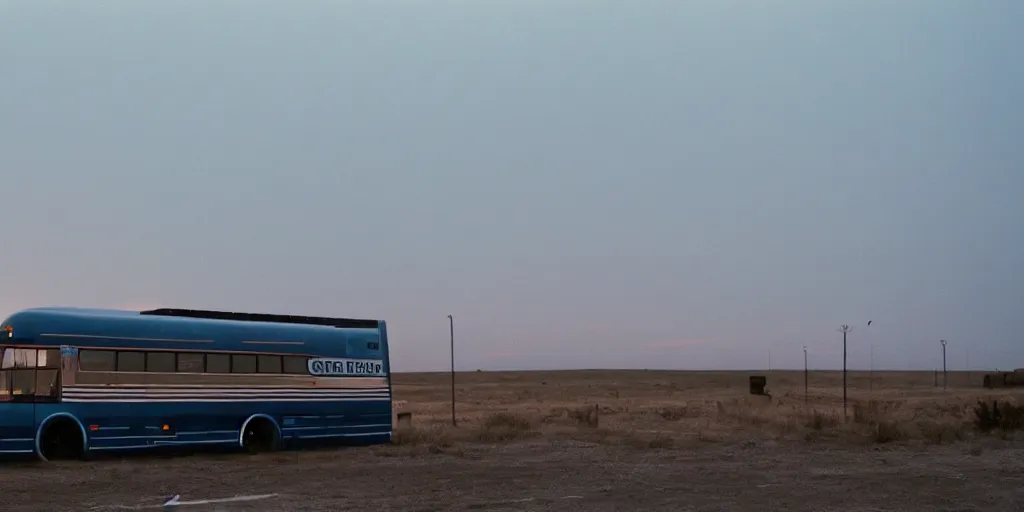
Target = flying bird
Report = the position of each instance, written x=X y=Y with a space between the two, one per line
x=869 y=322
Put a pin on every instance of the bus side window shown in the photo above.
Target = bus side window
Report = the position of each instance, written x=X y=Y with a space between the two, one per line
x=218 y=363
x=268 y=364
x=295 y=365
x=131 y=361
x=160 y=362
x=8 y=361
x=243 y=363
x=190 y=362
x=48 y=358
x=97 y=360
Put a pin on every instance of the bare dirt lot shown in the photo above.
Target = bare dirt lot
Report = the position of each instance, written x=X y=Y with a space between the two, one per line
x=657 y=441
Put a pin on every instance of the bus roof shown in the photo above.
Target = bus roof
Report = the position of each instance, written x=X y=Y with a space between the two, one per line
x=350 y=323
x=182 y=325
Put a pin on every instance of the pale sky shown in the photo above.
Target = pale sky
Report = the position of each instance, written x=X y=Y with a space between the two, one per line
x=581 y=183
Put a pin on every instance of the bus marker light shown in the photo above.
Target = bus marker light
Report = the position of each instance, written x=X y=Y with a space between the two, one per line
x=94 y=427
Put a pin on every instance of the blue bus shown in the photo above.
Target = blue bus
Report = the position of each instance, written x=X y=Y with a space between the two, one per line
x=77 y=381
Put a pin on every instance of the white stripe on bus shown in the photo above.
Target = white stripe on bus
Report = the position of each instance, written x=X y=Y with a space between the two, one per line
x=261 y=399
x=125 y=338
x=361 y=381
x=226 y=441
x=225 y=393
x=223 y=397
x=329 y=427
x=225 y=390
x=221 y=392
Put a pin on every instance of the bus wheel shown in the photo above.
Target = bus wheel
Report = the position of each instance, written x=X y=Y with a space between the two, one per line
x=62 y=439
x=260 y=436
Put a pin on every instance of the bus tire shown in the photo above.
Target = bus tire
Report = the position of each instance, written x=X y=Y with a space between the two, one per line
x=61 y=439
x=260 y=434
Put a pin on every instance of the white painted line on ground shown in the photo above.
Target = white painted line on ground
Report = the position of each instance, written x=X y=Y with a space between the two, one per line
x=506 y=502
x=175 y=502
x=527 y=500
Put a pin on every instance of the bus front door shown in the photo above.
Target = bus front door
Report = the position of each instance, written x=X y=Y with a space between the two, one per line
x=17 y=416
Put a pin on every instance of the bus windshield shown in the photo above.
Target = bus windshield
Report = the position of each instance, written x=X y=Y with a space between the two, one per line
x=5 y=376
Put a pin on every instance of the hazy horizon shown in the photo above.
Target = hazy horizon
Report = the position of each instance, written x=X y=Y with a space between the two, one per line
x=676 y=185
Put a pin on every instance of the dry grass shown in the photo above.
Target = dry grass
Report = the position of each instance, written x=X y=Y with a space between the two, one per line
x=504 y=426
x=659 y=410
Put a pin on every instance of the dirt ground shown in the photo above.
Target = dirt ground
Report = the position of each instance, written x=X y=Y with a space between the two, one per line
x=544 y=475
x=638 y=458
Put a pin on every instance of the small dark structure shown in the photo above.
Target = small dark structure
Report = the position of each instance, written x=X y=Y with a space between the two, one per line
x=1004 y=379
x=405 y=419
x=758 y=384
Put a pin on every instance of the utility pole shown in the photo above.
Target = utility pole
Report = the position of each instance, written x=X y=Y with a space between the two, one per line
x=944 y=379
x=845 y=329
x=968 y=364
x=805 y=374
x=871 y=371
x=871 y=363
x=451 y=329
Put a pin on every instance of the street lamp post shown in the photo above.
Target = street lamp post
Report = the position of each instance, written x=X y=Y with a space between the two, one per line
x=451 y=330
x=805 y=374
x=968 y=363
x=845 y=329
x=944 y=379
x=871 y=370
x=871 y=363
